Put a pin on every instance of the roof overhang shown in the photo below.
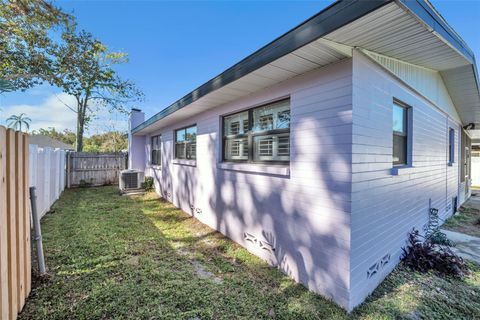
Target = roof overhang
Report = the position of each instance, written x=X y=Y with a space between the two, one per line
x=411 y=31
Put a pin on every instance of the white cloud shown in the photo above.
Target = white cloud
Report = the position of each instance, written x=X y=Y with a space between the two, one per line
x=52 y=112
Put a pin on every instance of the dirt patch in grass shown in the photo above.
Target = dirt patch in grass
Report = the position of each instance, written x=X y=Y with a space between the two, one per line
x=467 y=221
x=113 y=257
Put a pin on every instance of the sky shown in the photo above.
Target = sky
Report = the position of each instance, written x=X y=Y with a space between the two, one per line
x=176 y=46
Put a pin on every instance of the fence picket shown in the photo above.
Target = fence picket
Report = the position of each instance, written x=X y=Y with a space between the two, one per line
x=15 y=259
x=26 y=214
x=4 y=303
x=20 y=228
x=12 y=224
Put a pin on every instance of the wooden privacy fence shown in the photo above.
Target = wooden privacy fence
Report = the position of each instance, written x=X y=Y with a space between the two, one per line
x=94 y=169
x=15 y=259
x=47 y=175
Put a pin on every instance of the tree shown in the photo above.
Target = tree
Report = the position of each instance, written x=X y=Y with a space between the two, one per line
x=6 y=86
x=17 y=121
x=83 y=68
x=27 y=29
x=66 y=136
x=112 y=141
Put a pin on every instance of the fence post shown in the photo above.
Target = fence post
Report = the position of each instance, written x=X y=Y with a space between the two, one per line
x=46 y=177
x=26 y=216
x=38 y=232
x=68 y=169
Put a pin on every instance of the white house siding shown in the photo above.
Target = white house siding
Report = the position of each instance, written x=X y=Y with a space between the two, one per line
x=427 y=82
x=386 y=207
x=302 y=212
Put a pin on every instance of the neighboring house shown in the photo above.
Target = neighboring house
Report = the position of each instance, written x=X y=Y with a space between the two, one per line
x=45 y=141
x=321 y=151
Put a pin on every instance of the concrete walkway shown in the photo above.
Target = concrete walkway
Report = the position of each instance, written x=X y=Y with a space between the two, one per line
x=467 y=247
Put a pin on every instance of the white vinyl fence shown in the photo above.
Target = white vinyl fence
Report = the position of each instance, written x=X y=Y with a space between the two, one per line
x=47 y=175
x=475 y=170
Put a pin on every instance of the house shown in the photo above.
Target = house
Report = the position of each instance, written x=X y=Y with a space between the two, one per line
x=322 y=150
x=43 y=141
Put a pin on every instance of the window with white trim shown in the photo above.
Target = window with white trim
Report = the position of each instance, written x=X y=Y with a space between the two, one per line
x=156 y=150
x=260 y=134
x=186 y=143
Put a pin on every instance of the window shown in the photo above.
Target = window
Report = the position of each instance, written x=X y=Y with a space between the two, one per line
x=156 y=150
x=264 y=135
x=400 y=134
x=186 y=143
x=465 y=160
x=451 y=146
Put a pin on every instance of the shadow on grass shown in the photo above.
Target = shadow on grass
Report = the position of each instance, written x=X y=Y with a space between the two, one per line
x=119 y=257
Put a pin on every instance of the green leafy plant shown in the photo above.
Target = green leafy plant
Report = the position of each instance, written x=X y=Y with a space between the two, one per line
x=433 y=234
x=440 y=238
x=29 y=32
x=148 y=184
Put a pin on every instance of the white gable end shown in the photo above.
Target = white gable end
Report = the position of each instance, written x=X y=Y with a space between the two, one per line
x=426 y=81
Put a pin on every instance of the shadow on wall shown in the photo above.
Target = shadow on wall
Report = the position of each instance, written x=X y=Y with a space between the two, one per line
x=300 y=222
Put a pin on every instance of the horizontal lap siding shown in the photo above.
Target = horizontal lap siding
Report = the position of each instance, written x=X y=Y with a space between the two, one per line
x=386 y=207
x=305 y=215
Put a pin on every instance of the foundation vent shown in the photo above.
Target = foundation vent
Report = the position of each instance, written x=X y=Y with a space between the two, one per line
x=262 y=244
x=377 y=266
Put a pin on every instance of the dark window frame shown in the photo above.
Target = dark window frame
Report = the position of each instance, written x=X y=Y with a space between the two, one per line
x=451 y=145
x=156 y=157
x=406 y=135
x=250 y=136
x=186 y=143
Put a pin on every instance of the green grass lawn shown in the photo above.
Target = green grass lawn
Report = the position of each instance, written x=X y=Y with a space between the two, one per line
x=467 y=221
x=113 y=257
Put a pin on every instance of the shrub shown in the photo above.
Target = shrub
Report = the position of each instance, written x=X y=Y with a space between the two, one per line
x=425 y=255
x=439 y=237
x=148 y=184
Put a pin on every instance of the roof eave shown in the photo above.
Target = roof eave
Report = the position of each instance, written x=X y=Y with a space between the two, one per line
x=331 y=18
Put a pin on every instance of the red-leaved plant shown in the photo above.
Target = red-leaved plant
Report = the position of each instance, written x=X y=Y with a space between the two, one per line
x=423 y=255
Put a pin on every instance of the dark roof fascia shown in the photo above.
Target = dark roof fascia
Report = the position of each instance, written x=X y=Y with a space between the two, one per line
x=436 y=22
x=331 y=18
x=433 y=19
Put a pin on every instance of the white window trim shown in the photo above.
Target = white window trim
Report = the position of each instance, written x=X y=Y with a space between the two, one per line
x=401 y=170
x=272 y=169
x=185 y=162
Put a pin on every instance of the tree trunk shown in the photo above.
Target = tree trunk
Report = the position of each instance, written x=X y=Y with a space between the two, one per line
x=79 y=137
x=81 y=114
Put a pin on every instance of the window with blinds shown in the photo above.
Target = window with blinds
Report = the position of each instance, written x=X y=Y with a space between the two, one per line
x=260 y=134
